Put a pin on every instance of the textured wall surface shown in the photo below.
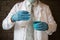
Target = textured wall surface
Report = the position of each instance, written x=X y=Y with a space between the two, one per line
x=5 y=7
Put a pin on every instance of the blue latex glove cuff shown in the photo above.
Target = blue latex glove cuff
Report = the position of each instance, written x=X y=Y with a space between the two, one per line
x=38 y=25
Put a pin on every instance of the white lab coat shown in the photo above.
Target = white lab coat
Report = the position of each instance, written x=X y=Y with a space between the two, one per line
x=23 y=29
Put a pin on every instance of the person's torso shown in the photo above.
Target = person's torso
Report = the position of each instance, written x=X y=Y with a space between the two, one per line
x=23 y=29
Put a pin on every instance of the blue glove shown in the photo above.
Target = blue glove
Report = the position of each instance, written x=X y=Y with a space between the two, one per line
x=41 y=26
x=21 y=15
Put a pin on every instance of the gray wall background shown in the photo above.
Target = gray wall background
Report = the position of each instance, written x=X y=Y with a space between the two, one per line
x=6 y=5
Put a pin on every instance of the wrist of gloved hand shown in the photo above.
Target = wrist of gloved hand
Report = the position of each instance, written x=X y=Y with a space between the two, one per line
x=14 y=18
x=41 y=26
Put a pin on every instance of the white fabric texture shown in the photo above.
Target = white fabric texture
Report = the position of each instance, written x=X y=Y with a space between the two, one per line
x=23 y=29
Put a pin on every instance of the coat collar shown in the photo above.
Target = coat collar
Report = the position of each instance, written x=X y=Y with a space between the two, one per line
x=28 y=3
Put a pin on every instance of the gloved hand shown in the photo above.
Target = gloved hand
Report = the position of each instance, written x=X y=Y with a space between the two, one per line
x=41 y=26
x=20 y=15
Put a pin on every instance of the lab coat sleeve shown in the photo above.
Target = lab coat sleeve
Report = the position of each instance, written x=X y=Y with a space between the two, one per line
x=7 y=24
x=51 y=22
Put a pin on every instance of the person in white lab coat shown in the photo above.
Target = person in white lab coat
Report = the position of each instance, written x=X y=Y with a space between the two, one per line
x=23 y=30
